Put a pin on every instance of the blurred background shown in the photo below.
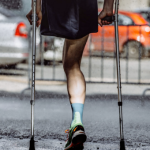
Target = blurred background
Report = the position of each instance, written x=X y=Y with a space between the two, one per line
x=99 y=52
x=98 y=66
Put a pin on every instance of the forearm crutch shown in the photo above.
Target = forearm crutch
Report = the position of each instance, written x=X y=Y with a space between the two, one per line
x=115 y=19
x=34 y=19
x=122 y=143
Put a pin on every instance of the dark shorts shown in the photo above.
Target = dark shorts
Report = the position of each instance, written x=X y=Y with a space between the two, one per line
x=71 y=19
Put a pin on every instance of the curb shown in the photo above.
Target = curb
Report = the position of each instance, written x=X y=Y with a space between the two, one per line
x=38 y=82
x=58 y=95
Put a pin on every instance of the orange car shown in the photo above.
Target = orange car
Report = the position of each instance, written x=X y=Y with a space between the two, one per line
x=134 y=34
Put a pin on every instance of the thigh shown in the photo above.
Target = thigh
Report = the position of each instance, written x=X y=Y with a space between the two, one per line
x=73 y=50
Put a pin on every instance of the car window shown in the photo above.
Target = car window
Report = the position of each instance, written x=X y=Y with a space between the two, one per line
x=124 y=20
x=19 y=8
x=145 y=15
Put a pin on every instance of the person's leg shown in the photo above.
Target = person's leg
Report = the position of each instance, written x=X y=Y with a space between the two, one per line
x=73 y=50
x=72 y=54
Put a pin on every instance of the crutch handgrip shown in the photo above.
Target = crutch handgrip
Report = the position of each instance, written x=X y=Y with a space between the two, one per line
x=109 y=18
x=32 y=18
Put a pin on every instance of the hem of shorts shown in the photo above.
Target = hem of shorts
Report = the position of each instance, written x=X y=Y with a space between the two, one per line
x=50 y=33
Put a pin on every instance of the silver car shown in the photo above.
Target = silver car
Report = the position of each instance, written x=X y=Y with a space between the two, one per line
x=54 y=52
x=15 y=43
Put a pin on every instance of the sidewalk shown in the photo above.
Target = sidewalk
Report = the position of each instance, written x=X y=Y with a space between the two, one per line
x=18 y=84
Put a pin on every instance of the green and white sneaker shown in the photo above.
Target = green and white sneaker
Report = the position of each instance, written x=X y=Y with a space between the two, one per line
x=76 y=137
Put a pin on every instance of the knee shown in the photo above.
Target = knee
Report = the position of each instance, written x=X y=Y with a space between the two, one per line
x=68 y=66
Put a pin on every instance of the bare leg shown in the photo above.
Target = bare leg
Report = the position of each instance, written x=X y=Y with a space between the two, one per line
x=72 y=54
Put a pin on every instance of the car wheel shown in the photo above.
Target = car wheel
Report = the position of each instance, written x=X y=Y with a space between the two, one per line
x=132 y=47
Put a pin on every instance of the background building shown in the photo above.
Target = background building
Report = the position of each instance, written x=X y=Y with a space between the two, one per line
x=11 y=4
x=124 y=4
x=130 y=5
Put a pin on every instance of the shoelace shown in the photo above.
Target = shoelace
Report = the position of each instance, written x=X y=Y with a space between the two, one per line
x=67 y=131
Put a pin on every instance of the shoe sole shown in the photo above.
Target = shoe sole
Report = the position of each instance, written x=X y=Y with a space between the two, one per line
x=78 y=139
x=75 y=147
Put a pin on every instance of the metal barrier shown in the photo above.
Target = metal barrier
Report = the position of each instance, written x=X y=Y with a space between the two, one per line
x=126 y=59
x=97 y=68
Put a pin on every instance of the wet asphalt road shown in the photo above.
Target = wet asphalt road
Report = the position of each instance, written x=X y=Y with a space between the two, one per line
x=53 y=117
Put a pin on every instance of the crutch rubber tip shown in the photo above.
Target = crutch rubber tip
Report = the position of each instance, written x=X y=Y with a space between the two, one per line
x=122 y=145
x=32 y=146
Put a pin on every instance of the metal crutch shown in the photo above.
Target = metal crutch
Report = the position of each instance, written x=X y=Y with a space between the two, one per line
x=34 y=19
x=115 y=19
x=122 y=142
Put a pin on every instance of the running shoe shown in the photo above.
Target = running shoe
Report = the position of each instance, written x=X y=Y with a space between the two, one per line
x=76 y=137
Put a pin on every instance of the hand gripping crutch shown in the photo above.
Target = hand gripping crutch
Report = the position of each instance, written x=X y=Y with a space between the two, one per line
x=34 y=19
x=115 y=19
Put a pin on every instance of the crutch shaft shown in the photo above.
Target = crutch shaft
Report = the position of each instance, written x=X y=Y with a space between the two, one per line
x=119 y=76
x=33 y=65
x=32 y=145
